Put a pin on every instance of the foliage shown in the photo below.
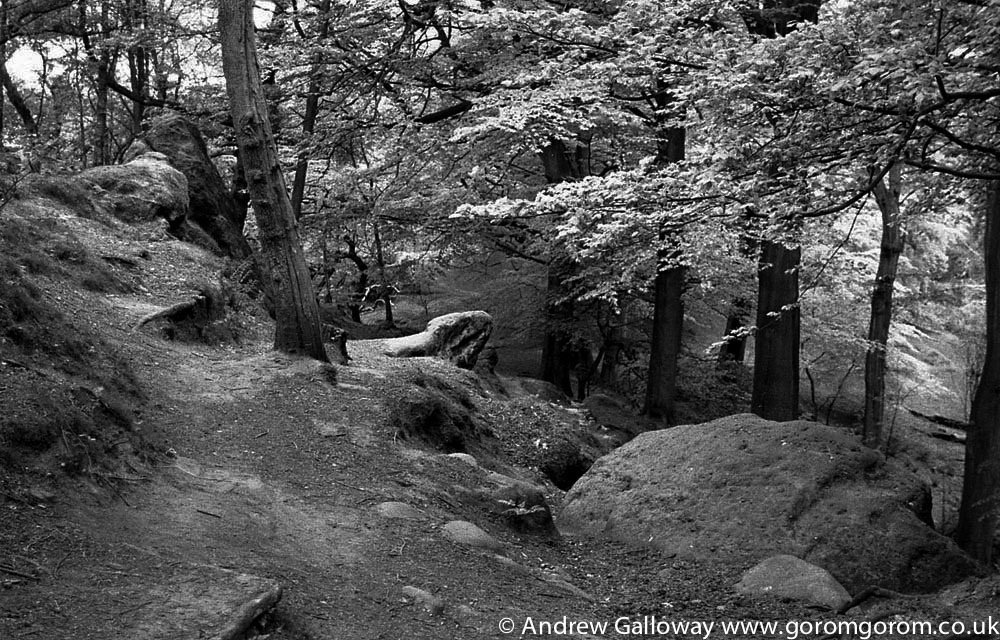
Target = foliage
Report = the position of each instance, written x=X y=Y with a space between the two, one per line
x=432 y=119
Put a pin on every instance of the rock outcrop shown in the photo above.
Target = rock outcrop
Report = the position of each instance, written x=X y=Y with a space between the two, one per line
x=144 y=189
x=213 y=208
x=789 y=578
x=742 y=489
x=456 y=337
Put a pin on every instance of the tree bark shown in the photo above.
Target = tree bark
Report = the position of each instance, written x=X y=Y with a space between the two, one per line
x=297 y=324
x=668 y=307
x=977 y=516
x=665 y=343
x=101 y=141
x=776 y=360
x=887 y=197
x=776 y=367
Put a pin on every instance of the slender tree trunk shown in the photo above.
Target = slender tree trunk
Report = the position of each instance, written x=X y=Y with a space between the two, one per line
x=81 y=111
x=668 y=307
x=311 y=112
x=612 y=346
x=386 y=293
x=776 y=354
x=977 y=516
x=138 y=67
x=362 y=285
x=734 y=349
x=887 y=197
x=297 y=322
x=557 y=361
x=101 y=141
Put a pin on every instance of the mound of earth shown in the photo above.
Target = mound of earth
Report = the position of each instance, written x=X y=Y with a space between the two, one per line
x=742 y=488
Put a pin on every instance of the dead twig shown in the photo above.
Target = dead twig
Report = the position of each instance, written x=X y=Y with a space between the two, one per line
x=19 y=574
x=11 y=496
x=136 y=607
x=209 y=513
x=61 y=563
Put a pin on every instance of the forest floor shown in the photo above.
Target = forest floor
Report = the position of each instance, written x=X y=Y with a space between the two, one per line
x=240 y=475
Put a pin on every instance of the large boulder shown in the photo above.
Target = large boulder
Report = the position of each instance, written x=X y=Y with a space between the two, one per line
x=741 y=489
x=457 y=337
x=144 y=189
x=213 y=208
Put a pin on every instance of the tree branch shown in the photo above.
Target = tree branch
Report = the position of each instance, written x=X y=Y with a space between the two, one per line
x=17 y=101
x=148 y=101
x=448 y=112
x=953 y=171
x=964 y=95
x=970 y=146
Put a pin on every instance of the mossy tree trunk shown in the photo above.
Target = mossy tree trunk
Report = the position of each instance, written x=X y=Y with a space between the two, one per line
x=298 y=328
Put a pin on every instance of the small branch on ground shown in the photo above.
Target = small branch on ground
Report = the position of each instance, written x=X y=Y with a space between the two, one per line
x=870 y=592
x=176 y=311
x=19 y=574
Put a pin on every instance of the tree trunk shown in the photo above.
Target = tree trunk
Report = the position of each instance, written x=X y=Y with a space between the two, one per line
x=776 y=360
x=557 y=356
x=665 y=344
x=386 y=286
x=297 y=323
x=557 y=360
x=612 y=345
x=101 y=141
x=357 y=300
x=734 y=349
x=668 y=306
x=977 y=516
x=776 y=366
x=887 y=197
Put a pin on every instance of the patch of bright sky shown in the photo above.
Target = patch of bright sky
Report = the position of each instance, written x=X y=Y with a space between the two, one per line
x=24 y=64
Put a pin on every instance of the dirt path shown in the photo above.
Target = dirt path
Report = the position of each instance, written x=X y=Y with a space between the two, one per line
x=274 y=476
